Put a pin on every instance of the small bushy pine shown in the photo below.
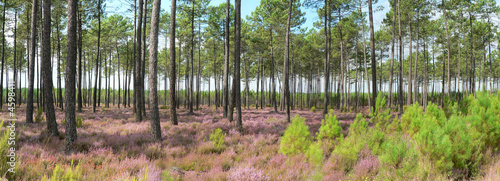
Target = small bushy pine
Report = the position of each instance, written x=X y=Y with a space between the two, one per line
x=71 y=173
x=330 y=128
x=296 y=138
x=217 y=137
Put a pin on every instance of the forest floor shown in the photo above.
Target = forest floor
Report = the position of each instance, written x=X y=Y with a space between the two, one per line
x=111 y=145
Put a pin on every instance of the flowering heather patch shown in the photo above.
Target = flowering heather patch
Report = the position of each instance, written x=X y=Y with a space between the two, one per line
x=113 y=146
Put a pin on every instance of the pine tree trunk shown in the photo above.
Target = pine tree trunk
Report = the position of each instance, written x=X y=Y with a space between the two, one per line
x=173 y=103
x=153 y=62
x=392 y=57
x=31 y=74
x=225 y=97
x=47 y=71
x=80 y=44
x=71 y=134
x=237 y=7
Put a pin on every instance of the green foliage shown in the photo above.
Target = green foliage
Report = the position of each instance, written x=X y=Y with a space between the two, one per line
x=330 y=128
x=79 y=122
x=484 y=116
x=398 y=153
x=296 y=138
x=164 y=107
x=412 y=119
x=315 y=154
x=217 y=137
x=360 y=126
x=4 y=150
x=39 y=115
x=69 y=174
x=313 y=109
x=380 y=115
x=167 y=177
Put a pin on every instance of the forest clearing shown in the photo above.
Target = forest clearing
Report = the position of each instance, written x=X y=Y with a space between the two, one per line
x=154 y=90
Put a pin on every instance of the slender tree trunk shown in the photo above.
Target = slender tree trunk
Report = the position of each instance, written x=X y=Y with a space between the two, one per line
x=392 y=57
x=80 y=33
x=372 y=54
x=199 y=67
x=173 y=114
x=153 y=62
x=409 y=97
x=415 y=88
x=59 y=88
x=31 y=74
x=273 y=100
x=225 y=95
x=448 y=45
x=237 y=16
x=286 y=63
x=192 y=60
x=71 y=134
x=137 y=81
x=489 y=54
x=98 y=56
x=400 y=94
x=47 y=71
x=327 y=58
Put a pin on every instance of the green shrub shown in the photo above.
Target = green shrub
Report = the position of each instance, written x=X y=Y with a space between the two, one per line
x=330 y=128
x=380 y=115
x=39 y=115
x=484 y=116
x=69 y=174
x=79 y=122
x=347 y=151
x=164 y=107
x=400 y=157
x=435 y=143
x=296 y=138
x=315 y=154
x=217 y=138
x=360 y=126
x=412 y=119
x=313 y=109
x=4 y=151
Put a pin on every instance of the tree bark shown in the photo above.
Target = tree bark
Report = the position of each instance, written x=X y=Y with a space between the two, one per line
x=237 y=16
x=137 y=76
x=153 y=62
x=173 y=114
x=392 y=56
x=47 y=71
x=327 y=57
x=286 y=63
x=71 y=134
x=31 y=74
x=225 y=96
